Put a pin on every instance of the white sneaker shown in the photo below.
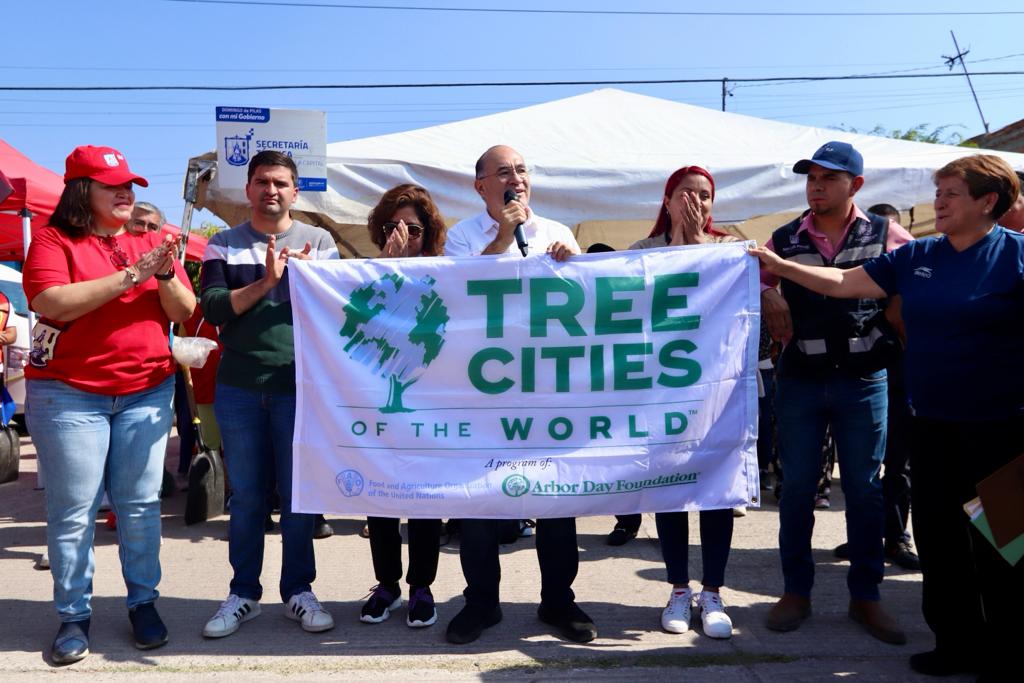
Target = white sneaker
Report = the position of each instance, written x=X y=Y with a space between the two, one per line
x=675 y=618
x=305 y=608
x=739 y=511
x=230 y=616
x=717 y=623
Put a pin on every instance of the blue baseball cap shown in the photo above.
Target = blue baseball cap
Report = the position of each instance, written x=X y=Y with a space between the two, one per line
x=838 y=156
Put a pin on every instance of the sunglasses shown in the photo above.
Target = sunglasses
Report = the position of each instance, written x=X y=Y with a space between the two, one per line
x=415 y=230
x=118 y=258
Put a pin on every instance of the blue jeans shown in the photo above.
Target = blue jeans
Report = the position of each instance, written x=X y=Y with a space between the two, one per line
x=715 y=543
x=89 y=443
x=856 y=410
x=257 y=429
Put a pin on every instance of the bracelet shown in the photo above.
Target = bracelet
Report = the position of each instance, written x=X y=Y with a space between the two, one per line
x=164 y=277
x=133 y=276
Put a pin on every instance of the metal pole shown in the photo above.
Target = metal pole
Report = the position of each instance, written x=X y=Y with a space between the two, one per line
x=26 y=238
x=960 y=56
x=197 y=170
x=724 y=92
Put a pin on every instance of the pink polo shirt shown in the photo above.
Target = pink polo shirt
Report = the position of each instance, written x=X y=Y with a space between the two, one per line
x=896 y=238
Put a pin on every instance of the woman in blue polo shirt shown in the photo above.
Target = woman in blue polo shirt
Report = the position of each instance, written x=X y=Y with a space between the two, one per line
x=963 y=306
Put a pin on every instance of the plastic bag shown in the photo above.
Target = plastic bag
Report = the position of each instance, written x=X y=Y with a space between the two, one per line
x=192 y=351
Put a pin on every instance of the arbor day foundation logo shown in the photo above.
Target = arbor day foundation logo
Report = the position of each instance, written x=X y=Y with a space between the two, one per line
x=515 y=485
x=395 y=325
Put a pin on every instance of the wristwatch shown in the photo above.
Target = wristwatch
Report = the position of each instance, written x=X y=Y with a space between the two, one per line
x=169 y=275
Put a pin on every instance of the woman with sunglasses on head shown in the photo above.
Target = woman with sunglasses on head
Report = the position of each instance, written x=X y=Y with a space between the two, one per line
x=405 y=223
x=99 y=387
x=685 y=218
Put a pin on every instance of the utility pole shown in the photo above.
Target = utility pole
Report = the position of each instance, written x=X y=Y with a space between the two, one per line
x=725 y=92
x=951 y=62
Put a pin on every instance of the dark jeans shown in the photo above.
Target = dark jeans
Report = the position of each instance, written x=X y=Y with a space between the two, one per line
x=855 y=409
x=715 y=541
x=557 y=554
x=386 y=550
x=257 y=430
x=183 y=417
x=972 y=598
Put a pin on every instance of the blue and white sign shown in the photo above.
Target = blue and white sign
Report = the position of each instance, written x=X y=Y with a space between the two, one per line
x=243 y=132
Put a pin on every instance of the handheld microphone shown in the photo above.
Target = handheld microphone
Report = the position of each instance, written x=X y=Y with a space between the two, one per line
x=511 y=196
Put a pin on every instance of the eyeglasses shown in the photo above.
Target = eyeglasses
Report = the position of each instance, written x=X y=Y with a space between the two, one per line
x=118 y=258
x=506 y=173
x=415 y=230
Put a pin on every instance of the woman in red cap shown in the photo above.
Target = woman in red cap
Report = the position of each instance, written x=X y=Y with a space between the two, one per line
x=99 y=387
x=685 y=218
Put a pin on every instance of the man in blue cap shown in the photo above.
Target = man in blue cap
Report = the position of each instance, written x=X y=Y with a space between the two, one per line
x=831 y=373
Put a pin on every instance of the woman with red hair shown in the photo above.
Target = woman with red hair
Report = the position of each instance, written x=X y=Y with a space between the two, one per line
x=685 y=215
x=685 y=218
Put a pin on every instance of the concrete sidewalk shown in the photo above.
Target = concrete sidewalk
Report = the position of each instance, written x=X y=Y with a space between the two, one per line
x=623 y=589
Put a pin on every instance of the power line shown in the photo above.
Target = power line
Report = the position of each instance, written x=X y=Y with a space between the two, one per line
x=482 y=84
x=643 y=13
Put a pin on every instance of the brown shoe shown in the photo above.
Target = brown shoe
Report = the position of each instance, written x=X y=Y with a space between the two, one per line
x=872 y=616
x=788 y=613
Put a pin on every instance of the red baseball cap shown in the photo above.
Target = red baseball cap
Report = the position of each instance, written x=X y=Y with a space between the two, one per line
x=103 y=164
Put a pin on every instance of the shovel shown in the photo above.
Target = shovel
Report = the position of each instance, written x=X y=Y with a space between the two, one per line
x=205 y=498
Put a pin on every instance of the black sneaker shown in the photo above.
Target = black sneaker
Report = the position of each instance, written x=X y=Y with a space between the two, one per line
x=901 y=555
x=382 y=601
x=71 y=643
x=421 y=608
x=471 y=622
x=620 y=536
x=572 y=622
x=943 y=663
x=147 y=626
x=842 y=551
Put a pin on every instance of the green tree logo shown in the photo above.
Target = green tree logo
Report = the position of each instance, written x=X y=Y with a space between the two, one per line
x=395 y=325
x=515 y=485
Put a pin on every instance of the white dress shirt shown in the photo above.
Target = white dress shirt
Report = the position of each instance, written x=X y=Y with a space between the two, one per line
x=471 y=236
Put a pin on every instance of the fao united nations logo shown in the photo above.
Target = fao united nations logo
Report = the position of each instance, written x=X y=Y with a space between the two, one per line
x=515 y=485
x=349 y=482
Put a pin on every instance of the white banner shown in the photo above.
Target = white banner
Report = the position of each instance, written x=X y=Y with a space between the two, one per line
x=504 y=387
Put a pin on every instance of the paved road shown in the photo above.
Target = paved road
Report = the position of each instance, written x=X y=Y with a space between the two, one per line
x=623 y=589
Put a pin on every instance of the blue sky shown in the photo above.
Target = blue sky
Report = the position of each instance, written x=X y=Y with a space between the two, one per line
x=165 y=42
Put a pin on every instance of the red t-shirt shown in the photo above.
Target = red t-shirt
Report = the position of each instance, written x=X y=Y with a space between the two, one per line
x=204 y=379
x=119 y=348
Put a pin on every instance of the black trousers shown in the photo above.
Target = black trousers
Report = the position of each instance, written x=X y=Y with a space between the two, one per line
x=628 y=522
x=386 y=550
x=972 y=598
x=557 y=554
x=896 y=478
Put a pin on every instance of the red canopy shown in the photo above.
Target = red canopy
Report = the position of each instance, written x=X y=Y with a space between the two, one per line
x=37 y=189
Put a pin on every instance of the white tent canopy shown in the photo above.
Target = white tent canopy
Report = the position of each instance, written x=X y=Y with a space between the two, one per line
x=605 y=155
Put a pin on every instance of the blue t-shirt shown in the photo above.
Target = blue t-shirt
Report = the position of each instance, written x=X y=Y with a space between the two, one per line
x=964 y=316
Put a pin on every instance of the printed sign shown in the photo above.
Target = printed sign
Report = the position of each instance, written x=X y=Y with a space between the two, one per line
x=509 y=387
x=243 y=132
